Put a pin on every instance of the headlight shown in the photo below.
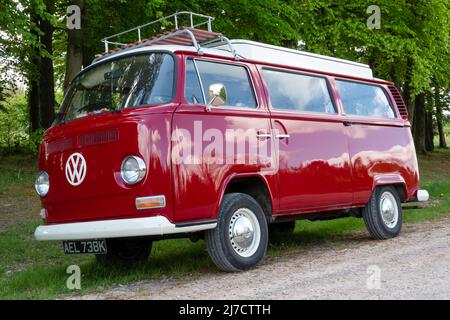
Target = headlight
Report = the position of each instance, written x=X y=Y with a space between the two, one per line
x=42 y=184
x=133 y=170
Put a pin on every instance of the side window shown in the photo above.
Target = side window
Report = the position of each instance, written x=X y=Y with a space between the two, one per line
x=235 y=79
x=298 y=92
x=192 y=90
x=364 y=100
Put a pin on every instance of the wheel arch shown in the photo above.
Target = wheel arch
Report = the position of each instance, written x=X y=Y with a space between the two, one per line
x=255 y=185
x=395 y=180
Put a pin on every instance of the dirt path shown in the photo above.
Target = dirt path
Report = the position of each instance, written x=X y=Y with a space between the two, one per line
x=414 y=266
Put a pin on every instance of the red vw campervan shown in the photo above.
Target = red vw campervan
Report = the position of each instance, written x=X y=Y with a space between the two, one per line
x=190 y=134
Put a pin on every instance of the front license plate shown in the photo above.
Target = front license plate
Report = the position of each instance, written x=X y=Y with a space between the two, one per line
x=85 y=246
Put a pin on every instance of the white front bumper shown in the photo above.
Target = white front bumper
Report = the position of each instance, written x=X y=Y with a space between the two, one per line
x=151 y=226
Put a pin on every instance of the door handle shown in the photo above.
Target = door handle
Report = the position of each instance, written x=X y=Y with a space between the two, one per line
x=264 y=135
x=282 y=136
x=347 y=123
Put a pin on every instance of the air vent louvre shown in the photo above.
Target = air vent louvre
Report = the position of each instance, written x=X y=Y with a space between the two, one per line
x=98 y=137
x=59 y=145
x=401 y=106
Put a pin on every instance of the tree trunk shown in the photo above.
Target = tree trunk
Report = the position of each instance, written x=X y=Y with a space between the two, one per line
x=88 y=51
x=439 y=118
x=33 y=81
x=419 y=124
x=394 y=76
x=441 y=130
x=88 y=56
x=429 y=137
x=74 y=57
x=47 y=86
x=33 y=104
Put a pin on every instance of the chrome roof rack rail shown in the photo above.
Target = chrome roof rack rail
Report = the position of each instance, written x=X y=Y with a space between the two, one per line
x=190 y=35
x=222 y=40
x=178 y=32
x=230 y=46
x=175 y=16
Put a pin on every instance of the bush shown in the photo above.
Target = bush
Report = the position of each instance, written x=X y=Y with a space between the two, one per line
x=14 y=127
x=34 y=140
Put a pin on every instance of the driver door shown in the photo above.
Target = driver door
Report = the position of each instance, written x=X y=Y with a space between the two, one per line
x=211 y=134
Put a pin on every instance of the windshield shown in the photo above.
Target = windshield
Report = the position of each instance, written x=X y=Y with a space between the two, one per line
x=127 y=82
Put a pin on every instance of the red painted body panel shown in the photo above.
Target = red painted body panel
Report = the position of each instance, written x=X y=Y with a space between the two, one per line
x=323 y=165
x=198 y=187
x=382 y=155
x=103 y=194
x=314 y=165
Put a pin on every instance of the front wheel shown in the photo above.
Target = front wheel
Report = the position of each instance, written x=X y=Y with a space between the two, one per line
x=383 y=214
x=125 y=252
x=239 y=242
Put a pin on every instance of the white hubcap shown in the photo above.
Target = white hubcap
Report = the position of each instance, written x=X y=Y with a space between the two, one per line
x=244 y=232
x=389 y=210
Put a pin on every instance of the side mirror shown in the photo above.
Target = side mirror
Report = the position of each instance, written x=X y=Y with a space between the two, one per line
x=217 y=95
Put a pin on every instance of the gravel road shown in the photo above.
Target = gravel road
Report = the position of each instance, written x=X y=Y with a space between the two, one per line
x=415 y=265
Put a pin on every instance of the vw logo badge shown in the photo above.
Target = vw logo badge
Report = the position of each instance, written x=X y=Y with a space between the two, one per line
x=76 y=169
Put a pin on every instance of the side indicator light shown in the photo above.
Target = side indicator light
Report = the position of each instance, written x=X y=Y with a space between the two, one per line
x=154 y=202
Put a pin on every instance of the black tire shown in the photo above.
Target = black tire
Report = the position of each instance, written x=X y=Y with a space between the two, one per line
x=219 y=240
x=125 y=252
x=282 y=229
x=373 y=216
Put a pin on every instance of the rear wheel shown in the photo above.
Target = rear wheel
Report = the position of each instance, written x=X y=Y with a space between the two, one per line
x=383 y=214
x=239 y=242
x=126 y=252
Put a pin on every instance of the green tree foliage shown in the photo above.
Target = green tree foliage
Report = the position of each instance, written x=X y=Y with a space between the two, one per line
x=18 y=33
x=14 y=124
x=271 y=21
x=410 y=30
x=412 y=47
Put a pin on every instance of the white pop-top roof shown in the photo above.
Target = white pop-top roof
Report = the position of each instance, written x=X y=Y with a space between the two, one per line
x=257 y=51
x=265 y=53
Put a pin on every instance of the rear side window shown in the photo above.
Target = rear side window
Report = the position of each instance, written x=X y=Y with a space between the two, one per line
x=235 y=79
x=298 y=92
x=364 y=100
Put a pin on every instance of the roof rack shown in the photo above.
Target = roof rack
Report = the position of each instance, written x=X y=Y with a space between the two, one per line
x=190 y=36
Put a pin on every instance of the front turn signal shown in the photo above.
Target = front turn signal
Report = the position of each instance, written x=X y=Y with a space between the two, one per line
x=150 y=202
